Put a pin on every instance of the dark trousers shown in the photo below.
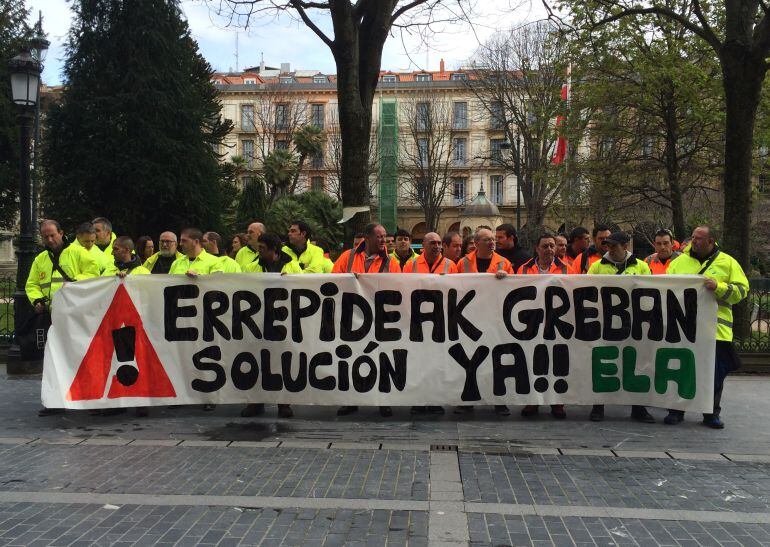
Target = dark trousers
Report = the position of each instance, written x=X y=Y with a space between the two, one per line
x=726 y=361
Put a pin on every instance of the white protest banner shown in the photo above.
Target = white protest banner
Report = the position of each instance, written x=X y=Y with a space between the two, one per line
x=385 y=339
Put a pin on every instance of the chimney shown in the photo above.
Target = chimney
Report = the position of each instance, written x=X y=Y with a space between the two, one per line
x=285 y=68
x=441 y=66
x=262 y=63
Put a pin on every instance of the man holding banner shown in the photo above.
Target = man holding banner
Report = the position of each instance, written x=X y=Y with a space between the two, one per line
x=371 y=256
x=618 y=260
x=727 y=282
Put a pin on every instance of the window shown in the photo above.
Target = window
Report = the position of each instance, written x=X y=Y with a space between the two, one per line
x=422 y=186
x=317 y=161
x=282 y=145
x=319 y=79
x=247 y=117
x=281 y=116
x=248 y=153
x=317 y=184
x=317 y=115
x=496 y=116
x=496 y=189
x=496 y=151
x=390 y=78
x=423 y=78
x=422 y=152
x=459 y=76
x=250 y=81
x=423 y=116
x=246 y=181
x=764 y=183
x=460 y=111
x=458 y=151
x=458 y=191
x=286 y=79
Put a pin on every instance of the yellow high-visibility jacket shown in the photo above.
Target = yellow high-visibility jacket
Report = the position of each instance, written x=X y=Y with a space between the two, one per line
x=204 y=263
x=311 y=260
x=44 y=281
x=732 y=285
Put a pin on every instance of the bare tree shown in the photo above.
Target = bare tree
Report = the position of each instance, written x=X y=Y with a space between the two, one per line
x=334 y=143
x=517 y=79
x=275 y=117
x=426 y=154
x=360 y=30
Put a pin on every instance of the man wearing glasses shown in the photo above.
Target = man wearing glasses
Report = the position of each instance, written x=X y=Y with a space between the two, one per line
x=160 y=262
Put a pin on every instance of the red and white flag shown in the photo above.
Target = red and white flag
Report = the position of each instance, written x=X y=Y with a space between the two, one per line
x=561 y=143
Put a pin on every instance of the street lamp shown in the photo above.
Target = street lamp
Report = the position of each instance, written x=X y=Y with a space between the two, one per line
x=25 y=86
x=38 y=46
x=516 y=152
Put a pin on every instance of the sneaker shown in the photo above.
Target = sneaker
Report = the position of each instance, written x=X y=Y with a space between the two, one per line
x=529 y=411
x=253 y=409
x=597 y=413
x=345 y=410
x=642 y=415
x=43 y=412
x=673 y=417
x=714 y=422
x=435 y=410
x=209 y=408
x=285 y=411
x=502 y=410
x=386 y=411
x=558 y=412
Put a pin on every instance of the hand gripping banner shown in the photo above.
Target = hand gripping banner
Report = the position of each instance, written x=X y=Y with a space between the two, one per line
x=385 y=339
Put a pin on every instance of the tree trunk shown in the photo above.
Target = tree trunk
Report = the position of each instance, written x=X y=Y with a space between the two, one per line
x=672 y=164
x=358 y=42
x=743 y=76
x=743 y=73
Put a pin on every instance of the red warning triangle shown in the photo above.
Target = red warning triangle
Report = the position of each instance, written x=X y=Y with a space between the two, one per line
x=91 y=378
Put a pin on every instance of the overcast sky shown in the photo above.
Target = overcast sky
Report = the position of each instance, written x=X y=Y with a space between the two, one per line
x=287 y=41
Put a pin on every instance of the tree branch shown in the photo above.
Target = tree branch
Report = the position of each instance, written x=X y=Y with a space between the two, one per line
x=707 y=34
x=299 y=5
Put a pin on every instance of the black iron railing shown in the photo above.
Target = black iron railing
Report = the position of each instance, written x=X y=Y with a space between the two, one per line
x=7 y=286
x=757 y=339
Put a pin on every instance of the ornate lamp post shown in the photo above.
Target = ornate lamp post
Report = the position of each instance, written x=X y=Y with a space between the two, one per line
x=25 y=86
x=38 y=46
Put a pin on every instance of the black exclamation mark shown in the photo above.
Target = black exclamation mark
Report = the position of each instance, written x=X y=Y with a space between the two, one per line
x=124 y=339
x=540 y=367
x=560 y=367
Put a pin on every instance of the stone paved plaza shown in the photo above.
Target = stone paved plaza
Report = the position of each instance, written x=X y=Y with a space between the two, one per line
x=183 y=476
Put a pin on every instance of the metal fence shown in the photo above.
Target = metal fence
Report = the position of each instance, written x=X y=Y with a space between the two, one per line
x=758 y=340
x=7 y=286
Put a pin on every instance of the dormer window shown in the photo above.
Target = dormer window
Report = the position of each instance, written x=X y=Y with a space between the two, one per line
x=423 y=78
x=390 y=78
x=319 y=79
x=459 y=76
x=250 y=81
x=286 y=79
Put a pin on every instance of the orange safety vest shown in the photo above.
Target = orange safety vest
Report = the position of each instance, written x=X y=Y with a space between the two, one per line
x=420 y=265
x=530 y=267
x=567 y=260
x=467 y=264
x=583 y=261
x=657 y=266
x=354 y=261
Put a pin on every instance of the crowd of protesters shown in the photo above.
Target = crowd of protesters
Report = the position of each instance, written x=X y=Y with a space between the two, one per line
x=97 y=251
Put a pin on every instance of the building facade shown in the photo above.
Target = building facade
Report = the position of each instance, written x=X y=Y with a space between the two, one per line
x=411 y=110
